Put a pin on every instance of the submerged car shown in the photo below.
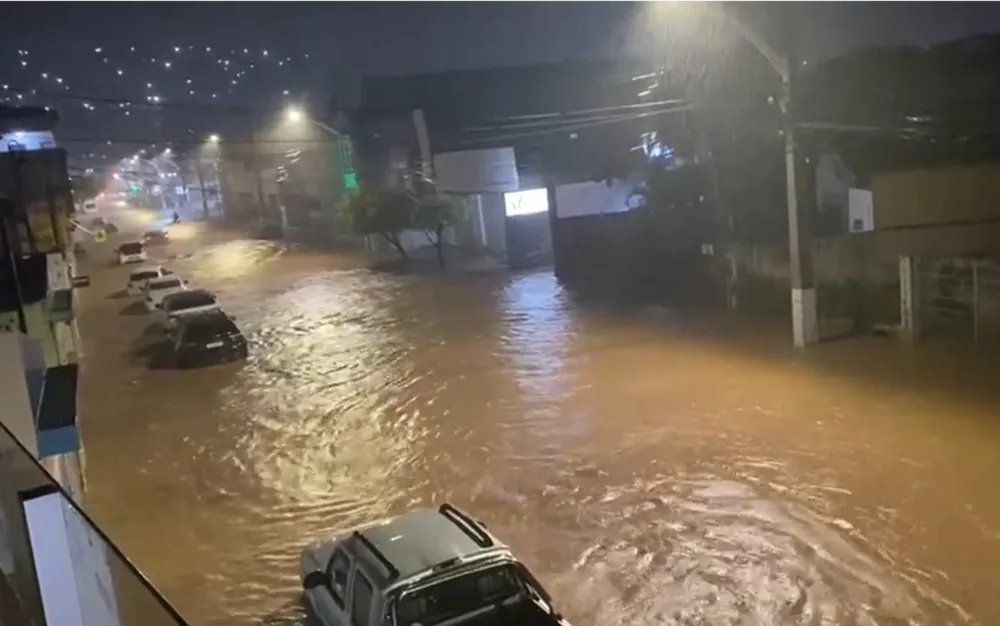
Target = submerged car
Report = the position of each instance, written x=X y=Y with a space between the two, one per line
x=155 y=237
x=177 y=305
x=159 y=288
x=132 y=252
x=138 y=278
x=204 y=338
x=428 y=567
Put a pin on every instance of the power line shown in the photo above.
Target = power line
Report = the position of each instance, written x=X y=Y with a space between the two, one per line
x=224 y=108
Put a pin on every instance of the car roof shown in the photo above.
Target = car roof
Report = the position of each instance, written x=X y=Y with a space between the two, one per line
x=200 y=317
x=164 y=279
x=422 y=539
x=146 y=268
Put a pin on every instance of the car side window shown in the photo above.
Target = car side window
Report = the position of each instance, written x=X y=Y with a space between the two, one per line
x=339 y=566
x=361 y=601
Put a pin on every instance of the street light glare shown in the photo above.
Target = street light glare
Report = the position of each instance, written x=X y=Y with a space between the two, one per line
x=213 y=138
x=294 y=114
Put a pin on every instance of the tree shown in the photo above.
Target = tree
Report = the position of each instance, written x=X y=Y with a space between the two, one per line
x=433 y=214
x=87 y=187
x=382 y=212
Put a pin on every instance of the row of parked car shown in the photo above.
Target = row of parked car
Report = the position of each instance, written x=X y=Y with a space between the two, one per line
x=198 y=331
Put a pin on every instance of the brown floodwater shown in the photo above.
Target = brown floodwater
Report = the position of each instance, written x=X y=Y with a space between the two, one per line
x=652 y=470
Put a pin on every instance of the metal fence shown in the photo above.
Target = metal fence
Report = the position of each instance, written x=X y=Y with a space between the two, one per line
x=960 y=297
x=49 y=548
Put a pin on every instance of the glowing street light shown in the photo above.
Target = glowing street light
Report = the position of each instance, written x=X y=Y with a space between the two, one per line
x=297 y=115
x=213 y=138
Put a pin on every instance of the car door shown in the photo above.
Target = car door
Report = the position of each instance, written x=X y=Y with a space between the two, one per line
x=362 y=599
x=329 y=602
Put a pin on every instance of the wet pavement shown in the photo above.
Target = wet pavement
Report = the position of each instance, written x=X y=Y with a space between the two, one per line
x=652 y=470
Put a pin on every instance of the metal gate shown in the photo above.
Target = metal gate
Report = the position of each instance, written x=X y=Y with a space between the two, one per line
x=960 y=296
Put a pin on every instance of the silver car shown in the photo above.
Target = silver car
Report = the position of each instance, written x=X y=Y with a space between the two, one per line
x=430 y=567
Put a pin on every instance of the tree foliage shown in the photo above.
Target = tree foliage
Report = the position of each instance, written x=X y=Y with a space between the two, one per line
x=433 y=213
x=87 y=187
x=381 y=212
x=387 y=212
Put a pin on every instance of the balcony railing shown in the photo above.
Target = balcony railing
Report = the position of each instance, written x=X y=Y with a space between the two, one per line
x=57 y=567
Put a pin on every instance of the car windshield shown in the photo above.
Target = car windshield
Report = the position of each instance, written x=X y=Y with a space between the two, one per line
x=188 y=300
x=458 y=596
x=131 y=248
x=145 y=275
x=208 y=327
x=165 y=284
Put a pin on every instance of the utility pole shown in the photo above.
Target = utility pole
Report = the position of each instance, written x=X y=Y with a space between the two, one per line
x=201 y=185
x=805 y=327
x=256 y=173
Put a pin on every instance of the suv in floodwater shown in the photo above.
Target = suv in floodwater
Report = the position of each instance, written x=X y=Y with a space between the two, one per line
x=431 y=567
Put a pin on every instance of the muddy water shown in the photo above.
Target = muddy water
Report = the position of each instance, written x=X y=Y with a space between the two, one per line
x=649 y=469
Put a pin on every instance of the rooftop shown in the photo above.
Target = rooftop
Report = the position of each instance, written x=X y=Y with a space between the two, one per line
x=425 y=538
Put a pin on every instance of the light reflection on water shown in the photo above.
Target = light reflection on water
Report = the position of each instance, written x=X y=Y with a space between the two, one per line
x=651 y=476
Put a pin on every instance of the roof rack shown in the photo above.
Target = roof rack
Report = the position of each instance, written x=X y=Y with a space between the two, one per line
x=393 y=572
x=468 y=525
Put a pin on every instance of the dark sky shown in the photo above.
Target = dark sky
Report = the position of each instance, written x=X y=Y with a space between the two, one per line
x=316 y=51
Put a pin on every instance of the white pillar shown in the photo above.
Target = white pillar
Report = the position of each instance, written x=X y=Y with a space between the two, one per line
x=805 y=329
x=909 y=298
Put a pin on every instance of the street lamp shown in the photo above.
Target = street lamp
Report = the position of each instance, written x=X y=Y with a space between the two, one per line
x=803 y=291
x=296 y=115
x=214 y=138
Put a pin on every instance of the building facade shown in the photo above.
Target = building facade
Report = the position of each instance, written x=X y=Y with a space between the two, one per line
x=37 y=279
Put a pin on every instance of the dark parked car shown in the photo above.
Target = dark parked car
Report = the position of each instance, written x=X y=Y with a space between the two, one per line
x=203 y=338
x=155 y=237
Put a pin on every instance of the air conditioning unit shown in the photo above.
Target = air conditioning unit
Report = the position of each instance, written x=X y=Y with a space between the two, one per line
x=860 y=211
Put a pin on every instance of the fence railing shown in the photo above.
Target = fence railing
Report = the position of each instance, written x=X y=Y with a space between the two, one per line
x=961 y=295
x=57 y=567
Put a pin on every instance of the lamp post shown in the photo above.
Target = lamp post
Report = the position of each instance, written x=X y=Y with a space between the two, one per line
x=803 y=291
x=296 y=115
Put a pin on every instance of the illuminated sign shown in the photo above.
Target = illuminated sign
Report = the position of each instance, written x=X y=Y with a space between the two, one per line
x=526 y=202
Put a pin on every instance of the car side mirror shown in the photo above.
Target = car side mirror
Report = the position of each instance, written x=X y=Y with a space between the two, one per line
x=314 y=580
x=81 y=281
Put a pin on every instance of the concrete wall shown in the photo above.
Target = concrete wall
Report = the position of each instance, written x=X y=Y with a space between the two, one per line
x=17 y=413
x=943 y=196
x=592 y=198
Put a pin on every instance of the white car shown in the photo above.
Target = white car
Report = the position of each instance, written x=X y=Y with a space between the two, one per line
x=159 y=288
x=179 y=304
x=132 y=252
x=138 y=278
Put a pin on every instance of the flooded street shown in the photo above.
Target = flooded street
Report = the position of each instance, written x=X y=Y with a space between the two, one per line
x=651 y=471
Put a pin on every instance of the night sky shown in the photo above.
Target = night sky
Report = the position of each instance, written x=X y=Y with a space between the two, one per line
x=189 y=69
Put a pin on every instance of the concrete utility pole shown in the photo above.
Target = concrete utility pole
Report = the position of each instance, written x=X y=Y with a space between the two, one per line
x=805 y=329
x=201 y=185
x=255 y=153
x=805 y=322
